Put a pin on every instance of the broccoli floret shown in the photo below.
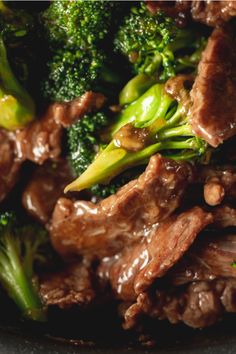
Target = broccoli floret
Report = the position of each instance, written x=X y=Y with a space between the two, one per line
x=16 y=106
x=84 y=144
x=20 y=248
x=71 y=73
x=155 y=122
x=154 y=44
x=77 y=24
x=83 y=140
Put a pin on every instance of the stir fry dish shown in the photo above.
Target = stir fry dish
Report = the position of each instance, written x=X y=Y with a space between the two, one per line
x=118 y=158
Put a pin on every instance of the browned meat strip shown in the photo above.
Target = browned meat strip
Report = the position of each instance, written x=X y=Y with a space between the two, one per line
x=211 y=257
x=224 y=216
x=213 y=13
x=136 y=268
x=213 y=113
x=44 y=188
x=41 y=140
x=198 y=305
x=9 y=163
x=103 y=229
x=209 y=12
x=67 y=113
x=71 y=286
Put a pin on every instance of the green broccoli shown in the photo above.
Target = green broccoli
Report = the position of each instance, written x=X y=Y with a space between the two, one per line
x=77 y=24
x=71 y=73
x=155 y=45
x=20 y=248
x=84 y=143
x=16 y=106
x=155 y=122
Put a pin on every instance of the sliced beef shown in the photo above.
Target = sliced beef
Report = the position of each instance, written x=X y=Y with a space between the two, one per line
x=209 y=12
x=44 y=189
x=199 y=304
x=211 y=257
x=224 y=216
x=9 y=163
x=41 y=140
x=138 y=266
x=70 y=286
x=213 y=13
x=213 y=112
x=102 y=230
x=67 y=113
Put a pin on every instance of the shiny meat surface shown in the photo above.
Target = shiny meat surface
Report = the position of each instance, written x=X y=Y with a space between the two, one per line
x=209 y=12
x=42 y=139
x=198 y=305
x=44 y=189
x=213 y=13
x=210 y=257
x=104 y=229
x=9 y=164
x=136 y=268
x=213 y=113
x=71 y=286
x=67 y=113
x=224 y=216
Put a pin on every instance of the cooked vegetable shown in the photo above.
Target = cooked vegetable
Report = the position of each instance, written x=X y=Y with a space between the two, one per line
x=77 y=24
x=155 y=122
x=71 y=73
x=157 y=48
x=16 y=106
x=155 y=45
x=20 y=248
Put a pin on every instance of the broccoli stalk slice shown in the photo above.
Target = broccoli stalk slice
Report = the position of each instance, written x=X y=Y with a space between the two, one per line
x=17 y=254
x=113 y=161
x=151 y=112
x=17 y=107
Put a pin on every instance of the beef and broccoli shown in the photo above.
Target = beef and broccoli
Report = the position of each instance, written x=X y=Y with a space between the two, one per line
x=118 y=158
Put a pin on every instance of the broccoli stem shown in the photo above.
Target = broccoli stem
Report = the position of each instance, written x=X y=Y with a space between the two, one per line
x=18 y=286
x=113 y=161
x=135 y=88
x=17 y=107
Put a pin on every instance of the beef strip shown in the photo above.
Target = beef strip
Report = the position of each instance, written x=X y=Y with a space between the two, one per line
x=70 y=286
x=209 y=12
x=44 y=188
x=210 y=257
x=213 y=13
x=138 y=266
x=224 y=216
x=9 y=163
x=102 y=230
x=41 y=140
x=199 y=304
x=213 y=112
x=67 y=113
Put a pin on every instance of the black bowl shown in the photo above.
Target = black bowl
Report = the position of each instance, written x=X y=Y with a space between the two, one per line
x=99 y=331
